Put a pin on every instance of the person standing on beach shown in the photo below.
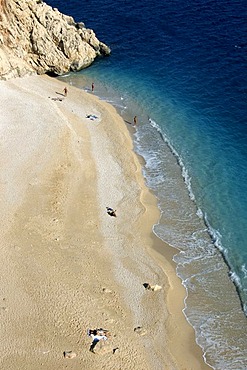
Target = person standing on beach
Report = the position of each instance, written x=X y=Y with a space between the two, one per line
x=93 y=87
x=135 y=120
x=65 y=91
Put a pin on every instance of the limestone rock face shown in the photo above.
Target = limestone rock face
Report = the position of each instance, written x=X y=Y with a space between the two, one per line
x=37 y=39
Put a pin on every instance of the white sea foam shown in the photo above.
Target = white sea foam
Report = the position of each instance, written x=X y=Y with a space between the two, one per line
x=155 y=125
x=244 y=270
x=66 y=75
x=187 y=180
x=199 y=213
x=185 y=174
x=196 y=249
x=235 y=279
x=114 y=103
x=215 y=235
x=199 y=251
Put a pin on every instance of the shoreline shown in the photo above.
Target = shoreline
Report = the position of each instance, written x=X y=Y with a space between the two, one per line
x=180 y=336
x=81 y=170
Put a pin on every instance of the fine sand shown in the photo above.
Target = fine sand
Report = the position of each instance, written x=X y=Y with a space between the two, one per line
x=66 y=265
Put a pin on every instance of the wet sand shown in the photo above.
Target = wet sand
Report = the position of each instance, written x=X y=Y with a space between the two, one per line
x=66 y=265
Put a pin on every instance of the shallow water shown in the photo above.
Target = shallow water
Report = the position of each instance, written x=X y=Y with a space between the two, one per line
x=181 y=68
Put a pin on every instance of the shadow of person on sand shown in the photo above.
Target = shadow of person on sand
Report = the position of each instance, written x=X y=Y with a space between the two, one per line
x=59 y=93
x=55 y=99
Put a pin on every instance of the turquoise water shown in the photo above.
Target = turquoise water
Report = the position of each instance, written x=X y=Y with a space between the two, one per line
x=181 y=68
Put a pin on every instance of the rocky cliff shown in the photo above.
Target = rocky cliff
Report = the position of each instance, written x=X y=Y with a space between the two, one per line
x=37 y=39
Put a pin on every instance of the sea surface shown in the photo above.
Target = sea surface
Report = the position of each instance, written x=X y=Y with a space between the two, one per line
x=181 y=67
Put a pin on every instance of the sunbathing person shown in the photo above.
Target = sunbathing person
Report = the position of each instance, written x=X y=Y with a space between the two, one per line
x=97 y=335
x=111 y=212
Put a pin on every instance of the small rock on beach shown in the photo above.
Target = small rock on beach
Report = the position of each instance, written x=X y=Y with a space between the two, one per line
x=69 y=354
x=141 y=331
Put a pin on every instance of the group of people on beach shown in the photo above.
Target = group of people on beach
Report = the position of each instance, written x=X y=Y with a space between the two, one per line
x=135 y=117
x=101 y=335
x=65 y=90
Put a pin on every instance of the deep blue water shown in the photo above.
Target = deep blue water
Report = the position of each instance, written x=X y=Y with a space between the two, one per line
x=181 y=67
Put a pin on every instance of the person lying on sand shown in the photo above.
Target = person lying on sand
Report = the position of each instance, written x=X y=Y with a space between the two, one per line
x=111 y=212
x=154 y=288
x=56 y=99
x=91 y=116
x=97 y=335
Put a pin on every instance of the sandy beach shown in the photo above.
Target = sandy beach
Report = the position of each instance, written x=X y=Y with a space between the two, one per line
x=66 y=265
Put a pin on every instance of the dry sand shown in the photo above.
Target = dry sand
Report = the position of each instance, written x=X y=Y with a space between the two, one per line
x=66 y=265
